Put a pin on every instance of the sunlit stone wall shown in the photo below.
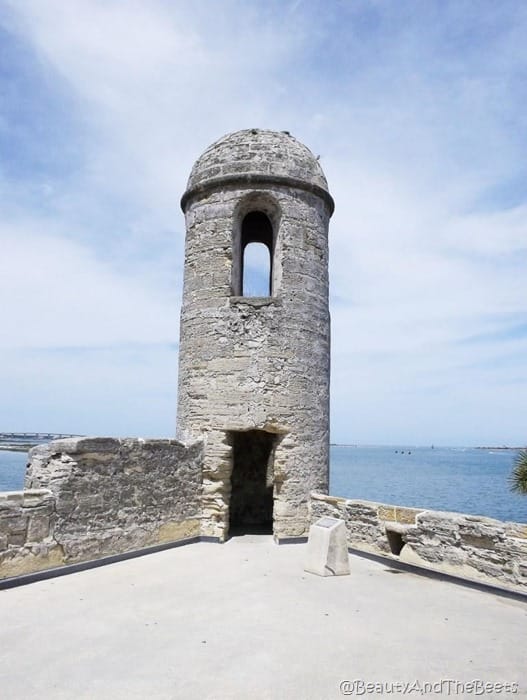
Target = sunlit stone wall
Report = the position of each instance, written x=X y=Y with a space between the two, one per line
x=87 y=498
x=257 y=363
x=474 y=547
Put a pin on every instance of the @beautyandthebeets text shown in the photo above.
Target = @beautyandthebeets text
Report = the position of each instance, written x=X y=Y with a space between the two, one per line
x=444 y=686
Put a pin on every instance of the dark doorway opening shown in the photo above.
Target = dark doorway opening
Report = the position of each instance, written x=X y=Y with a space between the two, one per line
x=251 y=503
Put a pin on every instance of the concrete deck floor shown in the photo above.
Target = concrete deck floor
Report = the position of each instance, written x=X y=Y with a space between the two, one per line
x=242 y=620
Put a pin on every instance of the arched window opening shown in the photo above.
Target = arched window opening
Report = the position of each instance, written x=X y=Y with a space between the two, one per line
x=256 y=270
x=256 y=255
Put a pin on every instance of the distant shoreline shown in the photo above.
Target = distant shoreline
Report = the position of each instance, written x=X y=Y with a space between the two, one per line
x=25 y=447
x=500 y=448
x=437 y=447
x=16 y=448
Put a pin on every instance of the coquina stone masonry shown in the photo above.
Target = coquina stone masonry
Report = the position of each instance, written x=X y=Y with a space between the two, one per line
x=254 y=371
x=253 y=410
x=90 y=497
x=469 y=546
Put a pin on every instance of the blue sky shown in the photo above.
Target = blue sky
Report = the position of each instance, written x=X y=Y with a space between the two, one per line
x=417 y=111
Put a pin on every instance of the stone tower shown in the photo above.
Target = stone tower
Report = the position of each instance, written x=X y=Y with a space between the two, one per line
x=254 y=370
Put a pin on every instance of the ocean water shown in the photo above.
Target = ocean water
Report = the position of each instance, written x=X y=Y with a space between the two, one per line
x=12 y=470
x=459 y=479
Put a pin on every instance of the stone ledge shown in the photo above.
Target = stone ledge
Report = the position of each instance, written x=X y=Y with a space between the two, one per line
x=400 y=528
x=28 y=498
x=255 y=301
x=472 y=547
x=106 y=445
x=329 y=499
x=249 y=179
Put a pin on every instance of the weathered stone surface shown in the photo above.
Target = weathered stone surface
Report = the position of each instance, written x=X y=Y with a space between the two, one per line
x=245 y=363
x=38 y=527
x=406 y=515
x=473 y=547
x=259 y=152
x=386 y=512
x=327 y=549
x=26 y=517
x=90 y=497
x=23 y=560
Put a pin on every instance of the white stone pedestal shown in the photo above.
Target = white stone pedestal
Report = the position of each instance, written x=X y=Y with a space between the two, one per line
x=327 y=548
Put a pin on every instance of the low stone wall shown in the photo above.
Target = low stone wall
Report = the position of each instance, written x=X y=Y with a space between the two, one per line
x=91 y=497
x=27 y=520
x=473 y=547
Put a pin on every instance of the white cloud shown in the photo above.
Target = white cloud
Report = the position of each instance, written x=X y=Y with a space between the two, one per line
x=154 y=84
x=57 y=294
x=120 y=390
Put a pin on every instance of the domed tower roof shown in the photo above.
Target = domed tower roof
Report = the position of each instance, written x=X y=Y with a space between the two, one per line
x=257 y=156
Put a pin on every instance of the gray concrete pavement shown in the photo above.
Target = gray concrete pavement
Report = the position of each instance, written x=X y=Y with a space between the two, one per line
x=243 y=620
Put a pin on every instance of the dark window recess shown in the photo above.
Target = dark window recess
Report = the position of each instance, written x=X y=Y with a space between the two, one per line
x=395 y=540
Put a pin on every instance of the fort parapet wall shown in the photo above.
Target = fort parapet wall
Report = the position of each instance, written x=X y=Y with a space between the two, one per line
x=472 y=547
x=88 y=498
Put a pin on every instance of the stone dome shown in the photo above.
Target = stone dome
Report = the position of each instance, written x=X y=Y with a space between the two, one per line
x=257 y=154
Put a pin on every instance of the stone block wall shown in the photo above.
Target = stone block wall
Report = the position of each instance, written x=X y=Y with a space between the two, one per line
x=473 y=547
x=90 y=497
x=257 y=363
x=27 y=521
